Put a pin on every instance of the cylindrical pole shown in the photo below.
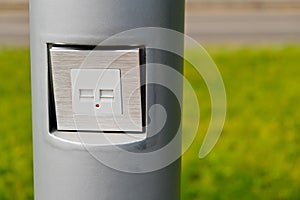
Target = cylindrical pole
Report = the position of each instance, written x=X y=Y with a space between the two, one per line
x=65 y=169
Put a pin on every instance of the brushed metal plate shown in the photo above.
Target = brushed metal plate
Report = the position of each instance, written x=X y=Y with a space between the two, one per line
x=64 y=59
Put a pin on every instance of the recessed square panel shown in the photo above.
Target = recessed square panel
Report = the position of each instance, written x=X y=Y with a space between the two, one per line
x=97 y=90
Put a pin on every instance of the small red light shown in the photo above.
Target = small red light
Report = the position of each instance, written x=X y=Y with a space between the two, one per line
x=97 y=105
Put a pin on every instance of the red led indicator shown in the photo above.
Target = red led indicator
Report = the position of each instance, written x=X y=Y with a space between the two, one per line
x=97 y=105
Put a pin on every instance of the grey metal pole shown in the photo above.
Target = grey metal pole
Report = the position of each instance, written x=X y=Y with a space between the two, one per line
x=64 y=168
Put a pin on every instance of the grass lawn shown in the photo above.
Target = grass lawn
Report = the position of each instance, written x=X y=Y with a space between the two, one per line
x=15 y=125
x=257 y=156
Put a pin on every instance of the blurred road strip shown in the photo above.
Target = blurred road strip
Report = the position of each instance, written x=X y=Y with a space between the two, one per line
x=208 y=23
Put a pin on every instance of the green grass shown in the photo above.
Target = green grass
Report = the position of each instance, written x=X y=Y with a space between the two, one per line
x=15 y=125
x=257 y=156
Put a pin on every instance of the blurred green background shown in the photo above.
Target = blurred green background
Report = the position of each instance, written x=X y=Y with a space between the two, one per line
x=257 y=156
x=258 y=153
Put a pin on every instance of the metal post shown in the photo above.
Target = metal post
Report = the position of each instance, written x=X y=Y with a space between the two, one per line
x=66 y=163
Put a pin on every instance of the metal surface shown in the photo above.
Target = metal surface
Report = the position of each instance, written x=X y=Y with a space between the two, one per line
x=65 y=59
x=68 y=170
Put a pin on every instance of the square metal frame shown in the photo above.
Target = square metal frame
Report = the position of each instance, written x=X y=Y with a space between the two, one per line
x=64 y=58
